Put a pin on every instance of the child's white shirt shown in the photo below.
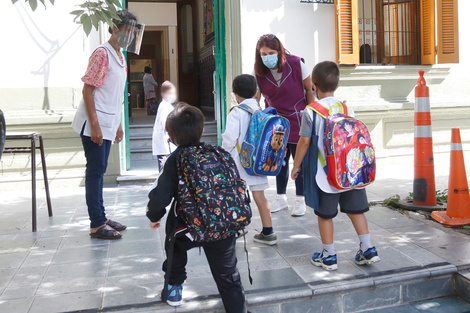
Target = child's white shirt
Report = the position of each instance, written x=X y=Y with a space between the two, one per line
x=238 y=122
x=321 y=177
x=160 y=138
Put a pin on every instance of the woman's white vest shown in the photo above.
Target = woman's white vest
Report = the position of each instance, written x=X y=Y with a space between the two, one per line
x=108 y=99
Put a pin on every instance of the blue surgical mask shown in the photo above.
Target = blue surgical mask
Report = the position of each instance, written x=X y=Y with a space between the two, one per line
x=270 y=61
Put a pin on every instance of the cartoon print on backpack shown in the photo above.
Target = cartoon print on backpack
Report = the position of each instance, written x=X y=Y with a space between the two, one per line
x=354 y=165
x=353 y=138
x=277 y=142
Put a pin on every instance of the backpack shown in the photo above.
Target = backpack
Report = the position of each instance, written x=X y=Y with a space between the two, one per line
x=350 y=155
x=213 y=199
x=263 y=150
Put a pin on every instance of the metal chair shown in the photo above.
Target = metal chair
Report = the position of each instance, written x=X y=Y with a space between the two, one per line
x=32 y=137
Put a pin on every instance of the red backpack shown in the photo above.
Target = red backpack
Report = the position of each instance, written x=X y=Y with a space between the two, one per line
x=350 y=155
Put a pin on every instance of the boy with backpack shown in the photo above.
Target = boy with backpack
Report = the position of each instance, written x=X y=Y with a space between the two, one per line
x=351 y=198
x=210 y=206
x=238 y=121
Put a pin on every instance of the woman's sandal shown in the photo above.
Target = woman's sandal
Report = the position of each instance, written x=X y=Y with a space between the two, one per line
x=106 y=232
x=117 y=226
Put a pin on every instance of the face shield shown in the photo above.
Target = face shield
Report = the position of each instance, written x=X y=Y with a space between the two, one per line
x=130 y=36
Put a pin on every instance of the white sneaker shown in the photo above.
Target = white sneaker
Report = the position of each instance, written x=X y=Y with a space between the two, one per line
x=278 y=205
x=299 y=208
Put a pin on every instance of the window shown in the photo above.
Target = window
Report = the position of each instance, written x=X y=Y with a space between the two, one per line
x=396 y=31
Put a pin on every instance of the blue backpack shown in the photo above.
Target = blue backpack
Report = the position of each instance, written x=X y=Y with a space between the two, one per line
x=263 y=150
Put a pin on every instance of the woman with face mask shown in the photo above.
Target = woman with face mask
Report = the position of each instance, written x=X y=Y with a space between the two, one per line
x=284 y=81
x=98 y=118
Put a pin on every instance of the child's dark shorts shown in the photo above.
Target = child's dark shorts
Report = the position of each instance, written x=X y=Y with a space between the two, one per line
x=353 y=201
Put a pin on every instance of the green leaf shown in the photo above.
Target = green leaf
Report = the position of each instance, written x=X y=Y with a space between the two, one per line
x=117 y=3
x=83 y=18
x=14 y=1
x=33 y=4
x=105 y=18
x=87 y=25
x=52 y=2
x=95 y=20
x=77 y=12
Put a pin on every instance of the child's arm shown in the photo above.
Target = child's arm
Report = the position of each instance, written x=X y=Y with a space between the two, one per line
x=162 y=195
x=302 y=147
x=232 y=131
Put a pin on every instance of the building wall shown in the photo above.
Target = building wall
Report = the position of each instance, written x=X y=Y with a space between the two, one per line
x=382 y=96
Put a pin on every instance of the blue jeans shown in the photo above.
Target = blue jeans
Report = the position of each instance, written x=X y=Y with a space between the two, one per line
x=96 y=164
x=283 y=177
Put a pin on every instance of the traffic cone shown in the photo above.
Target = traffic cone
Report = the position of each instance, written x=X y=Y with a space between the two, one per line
x=424 y=186
x=458 y=199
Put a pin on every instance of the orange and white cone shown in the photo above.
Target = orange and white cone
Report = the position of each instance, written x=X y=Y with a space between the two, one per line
x=458 y=199
x=424 y=186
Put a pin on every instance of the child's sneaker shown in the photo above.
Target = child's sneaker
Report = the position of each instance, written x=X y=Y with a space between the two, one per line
x=175 y=295
x=299 y=208
x=329 y=263
x=266 y=239
x=365 y=258
x=278 y=205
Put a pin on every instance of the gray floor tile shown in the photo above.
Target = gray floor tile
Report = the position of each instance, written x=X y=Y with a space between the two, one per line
x=316 y=304
x=458 y=254
x=313 y=274
x=67 y=302
x=16 y=305
x=134 y=293
x=120 y=266
x=27 y=291
x=39 y=258
x=12 y=260
x=276 y=279
x=28 y=276
x=427 y=236
x=378 y=297
x=72 y=255
x=49 y=287
x=121 y=247
x=67 y=271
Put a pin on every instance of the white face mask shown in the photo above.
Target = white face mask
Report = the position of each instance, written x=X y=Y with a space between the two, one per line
x=170 y=98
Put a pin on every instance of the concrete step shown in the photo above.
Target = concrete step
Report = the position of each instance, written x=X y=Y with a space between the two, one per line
x=432 y=288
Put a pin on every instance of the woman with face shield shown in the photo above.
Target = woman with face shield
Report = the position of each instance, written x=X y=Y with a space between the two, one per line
x=98 y=118
x=284 y=81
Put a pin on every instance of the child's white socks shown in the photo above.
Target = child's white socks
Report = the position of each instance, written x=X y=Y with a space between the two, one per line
x=365 y=242
x=282 y=197
x=329 y=249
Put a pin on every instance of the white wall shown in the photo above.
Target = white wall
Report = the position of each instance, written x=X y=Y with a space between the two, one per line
x=306 y=30
x=154 y=14
x=37 y=52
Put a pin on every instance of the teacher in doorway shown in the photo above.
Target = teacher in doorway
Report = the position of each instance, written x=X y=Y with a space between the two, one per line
x=284 y=81
x=98 y=118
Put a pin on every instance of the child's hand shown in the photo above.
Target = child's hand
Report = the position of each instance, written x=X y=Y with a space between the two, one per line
x=295 y=173
x=154 y=225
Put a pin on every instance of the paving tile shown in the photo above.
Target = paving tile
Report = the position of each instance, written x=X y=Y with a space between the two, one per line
x=67 y=302
x=134 y=279
x=16 y=245
x=266 y=309
x=39 y=258
x=458 y=254
x=53 y=287
x=16 y=305
x=28 y=276
x=12 y=260
x=122 y=247
x=22 y=292
x=396 y=309
x=390 y=259
x=293 y=247
x=312 y=274
x=132 y=265
x=79 y=239
x=72 y=255
x=275 y=279
x=67 y=271
x=427 y=236
x=373 y=298
x=47 y=244
x=134 y=293
x=462 y=287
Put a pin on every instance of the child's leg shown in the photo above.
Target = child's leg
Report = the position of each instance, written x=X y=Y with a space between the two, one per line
x=179 y=261
x=326 y=227
x=223 y=263
x=263 y=208
x=362 y=229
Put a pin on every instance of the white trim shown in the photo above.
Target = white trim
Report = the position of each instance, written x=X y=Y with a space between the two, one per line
x=422 y=105
x=423 y=131
x=455 y=146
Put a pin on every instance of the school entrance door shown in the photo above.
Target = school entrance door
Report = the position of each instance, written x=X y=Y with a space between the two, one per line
x=186 y=40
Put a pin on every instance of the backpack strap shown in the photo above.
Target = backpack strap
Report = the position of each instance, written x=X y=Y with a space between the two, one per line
x=325 y=112
x=245 y=108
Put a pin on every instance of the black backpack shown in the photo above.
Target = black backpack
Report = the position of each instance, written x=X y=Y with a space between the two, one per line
x=213 y=199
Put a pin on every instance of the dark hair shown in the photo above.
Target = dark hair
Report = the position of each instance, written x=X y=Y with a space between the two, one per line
x=245 y=86
x=325 y=76
x=167 y=85
x=125 y=19
x=185 y=124
x=148 y=70
x=272 y=42
x=342 y=123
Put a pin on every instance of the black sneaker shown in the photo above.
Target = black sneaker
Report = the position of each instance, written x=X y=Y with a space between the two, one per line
x=366 y=258
x=329 y=263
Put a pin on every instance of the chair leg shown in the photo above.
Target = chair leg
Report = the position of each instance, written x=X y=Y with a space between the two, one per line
x=33 y=180
x=44 y=172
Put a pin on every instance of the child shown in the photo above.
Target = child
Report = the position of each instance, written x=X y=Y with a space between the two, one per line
x=244 y=87
x=353 y=202
x=185 y=126
x=161 y=145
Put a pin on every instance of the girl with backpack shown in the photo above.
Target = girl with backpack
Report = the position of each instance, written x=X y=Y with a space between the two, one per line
x=284 y=81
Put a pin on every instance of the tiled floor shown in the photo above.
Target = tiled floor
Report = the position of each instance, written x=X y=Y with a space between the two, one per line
x=60 y=268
